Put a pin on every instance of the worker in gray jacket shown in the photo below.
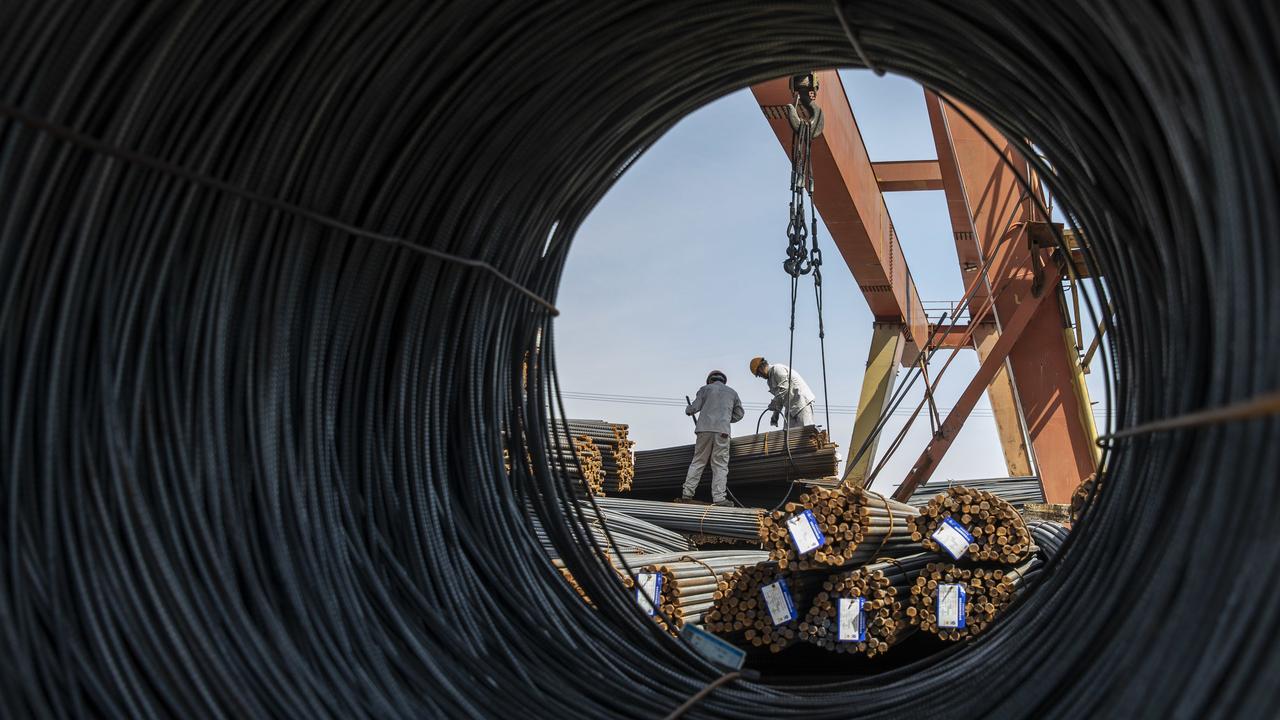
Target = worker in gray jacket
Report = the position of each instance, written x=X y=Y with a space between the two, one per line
x=719 y=407
x=790 y=392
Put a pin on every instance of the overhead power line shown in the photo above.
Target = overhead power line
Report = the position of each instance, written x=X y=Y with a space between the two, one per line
x=659 y=401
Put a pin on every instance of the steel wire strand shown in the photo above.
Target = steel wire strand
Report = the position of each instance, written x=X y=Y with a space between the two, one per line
x=254 y=465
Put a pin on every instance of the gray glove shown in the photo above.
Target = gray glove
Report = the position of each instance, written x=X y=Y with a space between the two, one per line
x=773 y=419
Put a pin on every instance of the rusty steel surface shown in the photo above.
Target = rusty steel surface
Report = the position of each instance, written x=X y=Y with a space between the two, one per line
x=992 y=363
x=986 y=199
x=847 y=195
x=1004 y=408
x=968 y=249
x=908 y=175
x=946 y=336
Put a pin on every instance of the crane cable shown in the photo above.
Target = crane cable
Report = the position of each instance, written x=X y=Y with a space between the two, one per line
x=802 y=259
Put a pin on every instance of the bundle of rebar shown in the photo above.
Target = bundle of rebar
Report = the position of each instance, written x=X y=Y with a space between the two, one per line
x=856 y=526
x=573 y=583
x=590 y=461
x=772 y=458
x=580 y=459
x=749 y=609
x=1083 y=495
x=997 y=533
x=978 y=596
x=634 y=559
x=707 y=540
x=612 y=440
x=630 y=534
x=829 y=482
x=638 y=561
x=1017 y=491
x=691 y=580
x=862 y=610
x=705 y=520
x=620 y=460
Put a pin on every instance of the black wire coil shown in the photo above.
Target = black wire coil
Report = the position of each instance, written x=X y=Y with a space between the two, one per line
x=253 y=465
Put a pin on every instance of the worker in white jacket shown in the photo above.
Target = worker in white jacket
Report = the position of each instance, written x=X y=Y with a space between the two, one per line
x=717 y=406
x=790 y=392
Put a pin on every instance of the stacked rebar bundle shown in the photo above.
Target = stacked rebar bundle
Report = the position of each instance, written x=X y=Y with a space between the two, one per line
x=997 y=533
x=673 y=565
x=573 y=583
x=706 y=520
x=1017 y=491
x=589 y=461
x=762 y=605
x=691 y=580
x=753 y=460
x=630 y=534
x=956 y=603
x=862 y=610
x=830 y=482
x=1083 y=495
x=709 y=540
x=580 y=459
x=856 y=525
x=617 y=460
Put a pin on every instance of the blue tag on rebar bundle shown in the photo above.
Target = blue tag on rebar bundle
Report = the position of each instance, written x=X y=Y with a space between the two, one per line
x=951 y=600
x=777 y=600
x=715 y=649
x=649 y=592
x=805 y=533
x=953 y=538
x=851 y=623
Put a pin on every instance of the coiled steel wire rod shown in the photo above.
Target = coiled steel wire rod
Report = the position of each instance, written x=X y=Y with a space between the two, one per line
x=270 y=274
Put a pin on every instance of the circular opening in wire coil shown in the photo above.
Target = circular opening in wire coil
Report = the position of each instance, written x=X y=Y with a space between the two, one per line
x=725 y=253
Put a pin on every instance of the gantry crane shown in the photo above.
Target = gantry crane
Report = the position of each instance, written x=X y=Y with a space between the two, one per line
x=1019 y=323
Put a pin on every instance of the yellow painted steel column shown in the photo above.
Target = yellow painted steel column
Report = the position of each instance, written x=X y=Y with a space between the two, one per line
x=1004 y=405
x=1082 y=394
x=877 y=384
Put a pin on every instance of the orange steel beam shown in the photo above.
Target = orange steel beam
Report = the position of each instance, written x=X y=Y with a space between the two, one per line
x=1004 y=408
x=908 y=175
x=958 y=337
x=847 y=195
x=1077 y=252
x=968 y=250
x=1004 y=397
x=991 y=364
x=984 y=197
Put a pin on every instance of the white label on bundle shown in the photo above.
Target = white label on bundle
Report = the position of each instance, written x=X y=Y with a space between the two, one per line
x=805 y=534
x=953 y=538
x=649 y=591
x=715 y=649
x=951 y=606
x=851 y=624
x=777 y=599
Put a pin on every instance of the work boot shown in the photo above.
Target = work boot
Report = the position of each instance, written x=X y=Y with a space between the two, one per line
x=683 y=499
x=724 y=503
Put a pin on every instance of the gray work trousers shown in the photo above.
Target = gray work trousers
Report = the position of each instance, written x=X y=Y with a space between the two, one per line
x=711 y=446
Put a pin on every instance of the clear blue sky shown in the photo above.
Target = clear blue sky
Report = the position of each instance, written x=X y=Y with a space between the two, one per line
x=678 y=271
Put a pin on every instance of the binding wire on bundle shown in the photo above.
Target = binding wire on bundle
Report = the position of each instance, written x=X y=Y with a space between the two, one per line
x=271 y=274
